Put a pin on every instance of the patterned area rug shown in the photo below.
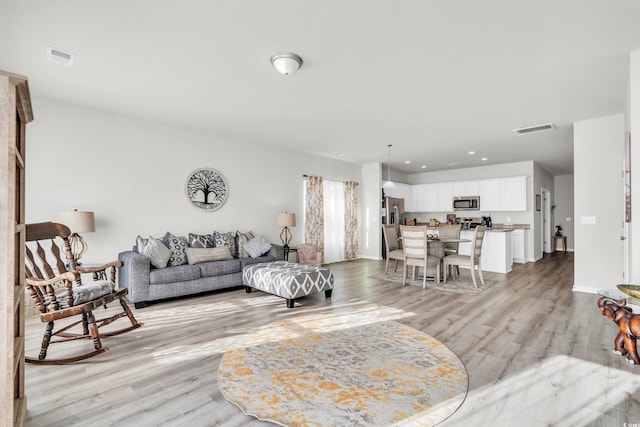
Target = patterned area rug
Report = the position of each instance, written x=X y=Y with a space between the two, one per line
x=297 y=372
x=463 y=285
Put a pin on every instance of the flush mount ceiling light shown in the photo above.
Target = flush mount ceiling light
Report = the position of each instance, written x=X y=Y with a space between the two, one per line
x=535 y=129
x=286 y=62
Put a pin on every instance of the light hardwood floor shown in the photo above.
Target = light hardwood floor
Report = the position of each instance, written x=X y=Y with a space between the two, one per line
x=537 y=353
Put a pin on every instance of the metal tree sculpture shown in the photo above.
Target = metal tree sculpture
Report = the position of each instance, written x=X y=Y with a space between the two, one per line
x=207 y=189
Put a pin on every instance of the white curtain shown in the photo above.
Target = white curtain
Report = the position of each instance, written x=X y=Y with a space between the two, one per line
x=334 y=223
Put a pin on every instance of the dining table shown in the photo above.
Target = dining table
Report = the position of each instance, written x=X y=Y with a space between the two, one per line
x=436 y=247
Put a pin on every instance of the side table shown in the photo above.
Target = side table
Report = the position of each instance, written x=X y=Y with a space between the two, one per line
x=288 y=250
x=563 y=240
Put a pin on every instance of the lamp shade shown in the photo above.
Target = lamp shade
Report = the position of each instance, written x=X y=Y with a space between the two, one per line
x=78 y=222
x=286 y=219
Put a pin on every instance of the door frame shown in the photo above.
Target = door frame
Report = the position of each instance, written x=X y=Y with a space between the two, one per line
x=545 y=221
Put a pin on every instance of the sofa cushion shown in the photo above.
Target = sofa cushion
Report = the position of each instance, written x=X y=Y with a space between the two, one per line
x=219 y=268
x=177 y=245
x=155 y=250
x=200 y=240
x=179 y=273
x=227 y=240
x=198 y=255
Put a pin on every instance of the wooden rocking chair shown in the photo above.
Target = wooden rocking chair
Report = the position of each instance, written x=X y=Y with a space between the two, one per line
x=59 y=293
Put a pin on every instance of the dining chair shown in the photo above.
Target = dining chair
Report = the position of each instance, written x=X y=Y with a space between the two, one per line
x=393 y=250
x=472 y=261
x=450 y=231
x=414 y=246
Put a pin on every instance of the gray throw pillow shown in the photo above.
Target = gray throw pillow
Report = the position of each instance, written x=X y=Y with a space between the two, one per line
x=177 y=245
x=155 y=250
x=256 y=247
x=200 y=241
x=241 y=240
x=226 y=240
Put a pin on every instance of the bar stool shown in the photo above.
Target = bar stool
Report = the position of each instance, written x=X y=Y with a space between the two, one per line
x=563 y=240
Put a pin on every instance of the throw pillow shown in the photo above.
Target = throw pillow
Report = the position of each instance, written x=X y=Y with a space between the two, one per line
x=155 y=250
x=256 y=247
x=197 y=255
x=200 y=240
x=241 y=240
x=177 y=245
x=226 y=240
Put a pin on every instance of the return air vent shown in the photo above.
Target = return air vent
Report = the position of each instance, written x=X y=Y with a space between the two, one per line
x=534 y=129
x=60 y=57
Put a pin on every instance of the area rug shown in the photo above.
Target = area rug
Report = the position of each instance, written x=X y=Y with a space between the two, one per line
x=462 y=285
x=293 y=373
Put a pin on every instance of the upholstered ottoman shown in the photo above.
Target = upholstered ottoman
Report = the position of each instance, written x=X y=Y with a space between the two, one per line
x=287 y=279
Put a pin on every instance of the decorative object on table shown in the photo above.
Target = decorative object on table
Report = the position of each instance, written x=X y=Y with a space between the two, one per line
x=388 y=183
x=558 y=230
x=207 y=189
x=434 y=222
x=286 y=220
x=451 y=219
x=65 y=296
x=286 y=62
x=625 y=342
x=78 y=222
x=631 y=290
x=341 y=370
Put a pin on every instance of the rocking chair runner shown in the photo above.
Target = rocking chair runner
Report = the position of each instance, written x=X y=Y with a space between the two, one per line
x=76 y=299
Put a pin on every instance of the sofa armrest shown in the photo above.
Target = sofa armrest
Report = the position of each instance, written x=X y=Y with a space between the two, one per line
x=277 y=251
x=134 y=275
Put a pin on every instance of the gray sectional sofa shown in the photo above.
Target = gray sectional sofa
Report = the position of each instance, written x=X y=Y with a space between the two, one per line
x=147 y=283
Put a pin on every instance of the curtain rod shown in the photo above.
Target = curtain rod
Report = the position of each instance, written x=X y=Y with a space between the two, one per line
x=336 y=180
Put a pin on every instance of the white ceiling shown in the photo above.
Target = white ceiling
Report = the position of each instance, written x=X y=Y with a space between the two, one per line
x=435 y=79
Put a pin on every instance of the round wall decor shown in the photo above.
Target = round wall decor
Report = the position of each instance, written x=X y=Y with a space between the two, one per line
x=207 y=189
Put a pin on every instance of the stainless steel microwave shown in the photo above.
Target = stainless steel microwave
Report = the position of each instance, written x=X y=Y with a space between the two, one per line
x=466 y=203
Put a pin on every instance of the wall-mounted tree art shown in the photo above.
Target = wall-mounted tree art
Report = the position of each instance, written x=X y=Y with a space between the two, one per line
x=207 y=189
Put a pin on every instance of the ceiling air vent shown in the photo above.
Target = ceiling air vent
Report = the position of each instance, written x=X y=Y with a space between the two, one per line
x=534 y=129
x=60 y=57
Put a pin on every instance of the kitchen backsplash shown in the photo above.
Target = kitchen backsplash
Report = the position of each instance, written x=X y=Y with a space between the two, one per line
x=496 y=217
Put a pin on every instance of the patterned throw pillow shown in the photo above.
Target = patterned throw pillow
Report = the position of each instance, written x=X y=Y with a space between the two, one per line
x=197 y=255
x=226 y=240
x=155 y=250
x=200 y=241
x=241 y=240
x=177 y=245
x=257 y=246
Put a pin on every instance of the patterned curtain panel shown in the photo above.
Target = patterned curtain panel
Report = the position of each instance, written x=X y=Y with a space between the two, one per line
x=314 y=213
x=350 y=220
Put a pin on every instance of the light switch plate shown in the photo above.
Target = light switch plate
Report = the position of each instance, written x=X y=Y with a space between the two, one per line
x=588 y=220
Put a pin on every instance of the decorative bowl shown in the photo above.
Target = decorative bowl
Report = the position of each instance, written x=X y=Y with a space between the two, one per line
x=631 y=290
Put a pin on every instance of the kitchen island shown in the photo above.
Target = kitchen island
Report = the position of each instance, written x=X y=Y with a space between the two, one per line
x=496 y=249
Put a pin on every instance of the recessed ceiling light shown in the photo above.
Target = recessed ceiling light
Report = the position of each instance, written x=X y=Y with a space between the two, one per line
x=60 y=57
x=484 y=158
x=423 y=166
x=471 y=153
x=407 y=161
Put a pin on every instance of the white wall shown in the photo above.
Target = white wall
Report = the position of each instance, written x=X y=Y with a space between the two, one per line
x=598 y=153
x=132 y=174
x=563 y=200
x=541 y=179
x=371 y=236
x=633 y=125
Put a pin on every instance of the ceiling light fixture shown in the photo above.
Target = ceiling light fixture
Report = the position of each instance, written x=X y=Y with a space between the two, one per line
x=484 y=159
x=471 y=153
x=423 y=166
x=286 y=62
x=389 y=183
x=407 y=162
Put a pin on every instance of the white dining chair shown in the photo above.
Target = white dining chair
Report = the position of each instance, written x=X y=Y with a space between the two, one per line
x=414 y=245
x=393 y=250
x=472 y=261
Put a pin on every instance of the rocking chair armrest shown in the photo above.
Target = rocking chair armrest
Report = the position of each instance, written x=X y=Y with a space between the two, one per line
x=69 y=277
x=100 y=268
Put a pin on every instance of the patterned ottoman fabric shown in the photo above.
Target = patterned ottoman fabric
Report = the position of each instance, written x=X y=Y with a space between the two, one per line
x=287 y=279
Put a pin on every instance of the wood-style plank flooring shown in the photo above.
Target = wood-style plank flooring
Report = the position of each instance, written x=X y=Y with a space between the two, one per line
x=537 y=353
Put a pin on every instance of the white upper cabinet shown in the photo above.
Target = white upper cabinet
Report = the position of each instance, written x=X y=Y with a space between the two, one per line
x=514 y=193
x=465 y=188
x=489 y=191
x=444 y=196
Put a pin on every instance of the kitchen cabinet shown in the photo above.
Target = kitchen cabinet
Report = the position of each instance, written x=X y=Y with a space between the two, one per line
x=465 y=188
x=419 y=196
x=496 y=250
x=519 y=245
x=490 y=195
x=444 y=196
x=513 y=194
